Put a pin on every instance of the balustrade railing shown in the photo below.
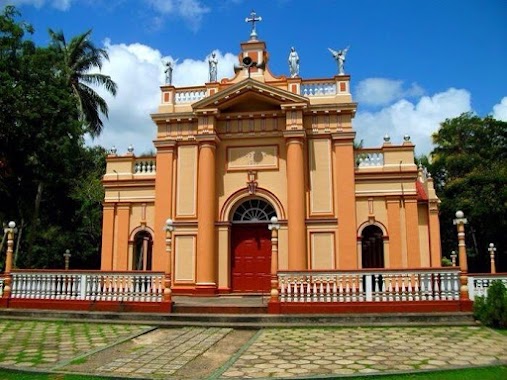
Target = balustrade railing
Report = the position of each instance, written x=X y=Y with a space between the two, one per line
x=318 y=89
x=103 y=286
x=145 y=166
x=189 y=96
x=369 y=286
x=1 y=286
x=478 y=284
x=369 y=158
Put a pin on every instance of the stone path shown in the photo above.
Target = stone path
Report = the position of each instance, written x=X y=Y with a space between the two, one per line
x=139 y=351
x=319 y=351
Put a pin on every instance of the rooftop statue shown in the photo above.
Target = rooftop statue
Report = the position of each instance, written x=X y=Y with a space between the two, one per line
x=213 y=63
x=293 y=63
x=339 y=56
x=169 y=73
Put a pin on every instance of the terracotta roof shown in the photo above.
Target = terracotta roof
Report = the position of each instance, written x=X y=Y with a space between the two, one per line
x=421 y=193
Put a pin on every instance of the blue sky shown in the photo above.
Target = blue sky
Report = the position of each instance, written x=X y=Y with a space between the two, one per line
x=412 y=63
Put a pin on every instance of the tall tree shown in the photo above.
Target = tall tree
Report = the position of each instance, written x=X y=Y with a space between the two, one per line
x=79 y=57
x=469 y=164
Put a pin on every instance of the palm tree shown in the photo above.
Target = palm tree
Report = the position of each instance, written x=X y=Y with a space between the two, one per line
x=79 y=57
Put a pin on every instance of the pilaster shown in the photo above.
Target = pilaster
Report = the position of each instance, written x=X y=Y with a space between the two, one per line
x=412 y=226
x=106 y=256
x=393 y=221
x=123 y=220
x=163 y=200
x=434 y=231
x=345 y=199
x=207 y=261
x=296 y=197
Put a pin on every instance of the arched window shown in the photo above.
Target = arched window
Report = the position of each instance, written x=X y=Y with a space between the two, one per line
x=143 y=244
x=372 y=246
x=253 y=211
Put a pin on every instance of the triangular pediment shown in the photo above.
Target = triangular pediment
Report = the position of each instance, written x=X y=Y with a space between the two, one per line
x=250 y=95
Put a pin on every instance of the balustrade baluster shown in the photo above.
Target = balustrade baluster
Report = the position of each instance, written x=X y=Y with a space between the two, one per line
x=409 y=288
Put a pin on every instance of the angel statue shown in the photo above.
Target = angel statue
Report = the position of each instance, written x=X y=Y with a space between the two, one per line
x=293 y=63
x=339 y=56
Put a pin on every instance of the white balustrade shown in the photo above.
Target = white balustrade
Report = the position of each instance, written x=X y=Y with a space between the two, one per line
x=189 y=96
x=367 y=286
x=369 y=159
x=478 y=284
x=99 y=286
x=1 y=286
x=318 y=89
x=147 y=166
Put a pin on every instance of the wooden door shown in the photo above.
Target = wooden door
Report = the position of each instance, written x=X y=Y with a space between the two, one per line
x=251 y=258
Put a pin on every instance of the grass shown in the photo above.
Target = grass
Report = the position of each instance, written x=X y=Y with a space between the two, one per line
x=483 y=373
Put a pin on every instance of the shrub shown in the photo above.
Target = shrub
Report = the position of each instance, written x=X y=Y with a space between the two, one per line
x=492 y=310
x=446 y=262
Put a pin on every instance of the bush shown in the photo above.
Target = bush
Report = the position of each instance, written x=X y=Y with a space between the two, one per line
x=446 y=262
x=492 y=310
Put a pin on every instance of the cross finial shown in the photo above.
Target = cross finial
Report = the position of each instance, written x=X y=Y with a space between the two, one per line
x=253 y=19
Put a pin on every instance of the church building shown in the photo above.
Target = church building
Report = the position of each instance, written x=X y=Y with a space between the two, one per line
x=238 y=157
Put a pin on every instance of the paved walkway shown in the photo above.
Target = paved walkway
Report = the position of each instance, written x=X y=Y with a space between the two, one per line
x=139 y=351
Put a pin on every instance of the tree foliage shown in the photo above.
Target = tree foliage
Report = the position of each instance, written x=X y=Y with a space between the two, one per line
x=78 y=57
x=469 y=164
x=46 y=172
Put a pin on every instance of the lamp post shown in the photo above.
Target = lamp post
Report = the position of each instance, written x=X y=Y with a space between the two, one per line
x=66 y=257
x=492 y=251
x=10 y=230
x=169 y=228
x=274 y=226
x=453 y=258
x=460 y=222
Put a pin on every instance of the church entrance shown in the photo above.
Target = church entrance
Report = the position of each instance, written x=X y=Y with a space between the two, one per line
x=251 y=247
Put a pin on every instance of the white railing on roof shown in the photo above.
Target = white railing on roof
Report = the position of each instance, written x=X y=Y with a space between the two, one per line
x=145 y=166
x=189 y=96
x=478 y=284
x=369 y=286
x=88 y=286
x=318 y=88
x=369 y=158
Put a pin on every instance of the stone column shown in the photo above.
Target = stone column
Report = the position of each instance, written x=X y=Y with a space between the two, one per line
x=492 y=251
x=296 y=197
x=274 y=226
x=169 y=227
x=460 y=222
x=10 y=230
x=163 y=199
x=207 y=260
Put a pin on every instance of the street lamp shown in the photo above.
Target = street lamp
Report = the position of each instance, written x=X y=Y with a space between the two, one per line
x=10 y=230
x=492 y=251
x=66 y=257
x=169 y=228
x=274 y=226
x=460 y=222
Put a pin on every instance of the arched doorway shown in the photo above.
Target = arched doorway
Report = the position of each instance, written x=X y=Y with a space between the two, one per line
x=372 y=246
x=251 y=247
x=143 y=244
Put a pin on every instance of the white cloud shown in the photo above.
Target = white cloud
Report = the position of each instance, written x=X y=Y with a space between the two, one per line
x=139 y=71
x=383 y=91
x=62 y=5
x=500 y=110
x=419 y=120
x=192 y=11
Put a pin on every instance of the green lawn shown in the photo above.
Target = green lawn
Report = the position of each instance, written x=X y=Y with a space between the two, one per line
x=484 y=373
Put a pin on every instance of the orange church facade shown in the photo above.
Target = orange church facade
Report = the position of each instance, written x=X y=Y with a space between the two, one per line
x=231 y=155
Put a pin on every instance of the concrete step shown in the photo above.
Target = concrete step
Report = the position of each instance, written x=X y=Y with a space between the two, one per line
x=247 y=320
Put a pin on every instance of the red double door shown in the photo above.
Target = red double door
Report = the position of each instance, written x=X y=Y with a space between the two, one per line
x=251 y=258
